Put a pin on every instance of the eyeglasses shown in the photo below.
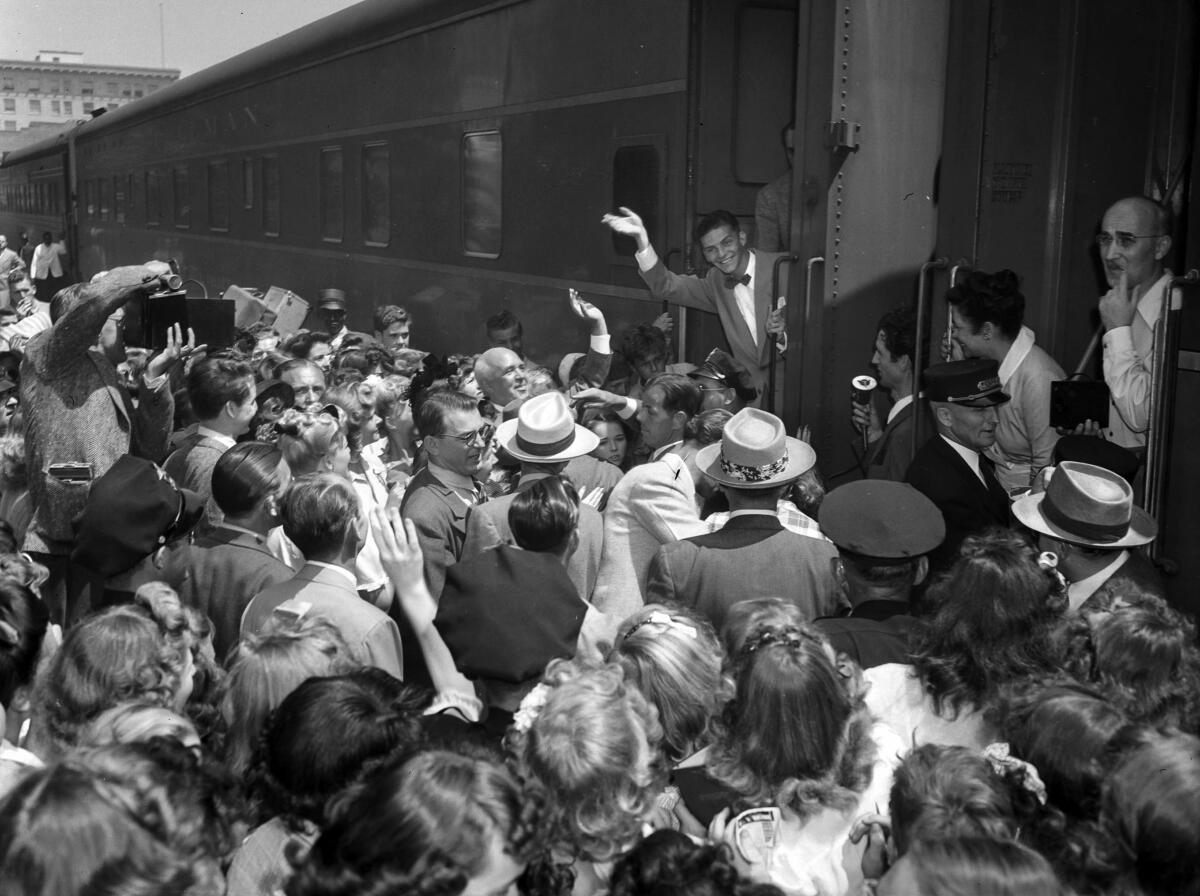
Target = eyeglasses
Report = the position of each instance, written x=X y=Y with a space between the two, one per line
x=1125 y=241
x=483 y=435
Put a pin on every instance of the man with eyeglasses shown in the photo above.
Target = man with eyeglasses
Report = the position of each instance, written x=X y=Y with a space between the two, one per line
x=1134 y=240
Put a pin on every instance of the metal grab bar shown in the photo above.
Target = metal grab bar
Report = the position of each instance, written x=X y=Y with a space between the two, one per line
x=1161 y=397
x=774 y=348
x=938 y=264
x=961 y=265
x=805 y=312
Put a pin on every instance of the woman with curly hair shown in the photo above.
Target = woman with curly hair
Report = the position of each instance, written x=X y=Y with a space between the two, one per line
x=797 y=736
x=986 y=321
x=264 y=669
x=326 y=735
x=1140 y=652
x=979 y=866
x=989 y=623
x=140 y=651
x=589 y=742
x=440 y=824
x=669 y=863
x=314 y=442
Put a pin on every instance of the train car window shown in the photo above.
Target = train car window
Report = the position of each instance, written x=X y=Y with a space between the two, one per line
x=270 y=184
x=153 y=216
x=482 y=169
x=119 y=199
x=105 y=198
x=218 y=195
x=130 y=200
x=89 y=197
x=763 y=99
x=637 y=184
x=248 y=183
x=181 y=194
x=377 y=194
x=333 y=195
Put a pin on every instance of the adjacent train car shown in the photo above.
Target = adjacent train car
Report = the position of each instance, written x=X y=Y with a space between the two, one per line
x=455 y=156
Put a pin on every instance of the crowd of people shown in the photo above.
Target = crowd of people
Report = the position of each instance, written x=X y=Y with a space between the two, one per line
x=323 y=614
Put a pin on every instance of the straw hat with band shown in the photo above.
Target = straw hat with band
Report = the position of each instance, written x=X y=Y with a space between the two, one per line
x=1086 y=505
x=544 y=431
x=755 y=451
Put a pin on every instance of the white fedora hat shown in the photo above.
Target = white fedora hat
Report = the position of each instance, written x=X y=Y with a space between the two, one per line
x=1088 y=505
x=544 y=431
x=755 y=451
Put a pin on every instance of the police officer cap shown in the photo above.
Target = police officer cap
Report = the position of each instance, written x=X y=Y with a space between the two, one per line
x=881 y=518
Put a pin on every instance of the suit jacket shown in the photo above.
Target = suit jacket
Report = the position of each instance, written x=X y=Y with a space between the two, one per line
x=440 y=517
x=79 y=412
x=968 y=506
x=226 y=568
x=750 y=557
x=487 y=527
x=652 y=504
x=709 y=293
x=889 y=456
x=371 y=635
x=191 y=466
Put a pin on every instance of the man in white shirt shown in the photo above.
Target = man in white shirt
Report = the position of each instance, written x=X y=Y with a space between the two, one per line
x=1134 y=239
x=46 y=268
x=1087 y=518
x=737 y=287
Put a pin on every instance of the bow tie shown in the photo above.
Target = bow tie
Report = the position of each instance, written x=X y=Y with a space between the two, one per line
x=731 y=282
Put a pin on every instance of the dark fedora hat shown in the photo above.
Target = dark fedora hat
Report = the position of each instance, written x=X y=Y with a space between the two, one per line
x=1088 y=505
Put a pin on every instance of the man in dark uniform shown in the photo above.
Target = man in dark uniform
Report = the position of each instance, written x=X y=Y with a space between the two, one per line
x=883 y=531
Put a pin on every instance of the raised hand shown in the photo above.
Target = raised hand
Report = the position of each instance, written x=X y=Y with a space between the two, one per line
x=177 y=350
x=629 y=224
x=1119 y=304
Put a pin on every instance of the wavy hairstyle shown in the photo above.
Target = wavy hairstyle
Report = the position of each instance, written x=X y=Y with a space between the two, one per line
x=992 y=620
x=422 y=828
x=24 y=621
x=594 y=751
x=981 y=866
x=264 y=669
x=990 y=298
x=132 y=652
x=668 y=863
x=795 y=734
x=307 y=439
x=329 y=733
x=675 y=659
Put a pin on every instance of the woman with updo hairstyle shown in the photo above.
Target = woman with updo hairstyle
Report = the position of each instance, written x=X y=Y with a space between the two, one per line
x=1150 y=809
x=797 y=736
x=987 y=313
x=135 y=723
x=440 y=824
x=314 y=441
x=674 y=658
x=1140 y=652
x=140 y=651
x=264 y=669
x=396 y=449
x=669 y=863
x=326 y=735
x=988 y=623
x=115 y=820
x=978 y=866
x=24 y=624
x=590 y=744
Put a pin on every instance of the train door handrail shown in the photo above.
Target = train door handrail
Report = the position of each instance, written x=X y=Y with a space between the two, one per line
x=774 y=348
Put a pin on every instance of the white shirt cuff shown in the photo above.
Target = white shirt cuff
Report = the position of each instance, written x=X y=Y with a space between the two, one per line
x=1119 y=339
x=601 y=344
x=646 y=258
x=630 y=409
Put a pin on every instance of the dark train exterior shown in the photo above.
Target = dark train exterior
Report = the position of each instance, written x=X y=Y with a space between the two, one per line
x=455 y=157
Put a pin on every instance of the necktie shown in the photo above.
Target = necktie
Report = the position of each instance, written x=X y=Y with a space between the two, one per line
x=480 y=494
x=731 y=282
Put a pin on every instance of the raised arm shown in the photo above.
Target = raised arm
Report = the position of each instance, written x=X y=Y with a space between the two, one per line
x=690 y=291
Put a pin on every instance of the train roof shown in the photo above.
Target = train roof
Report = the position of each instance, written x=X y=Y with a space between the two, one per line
x=349 y=30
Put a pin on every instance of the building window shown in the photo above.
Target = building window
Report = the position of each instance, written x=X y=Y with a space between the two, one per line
x=88 y=107
x=9 y=85
x=270 y=185
x=55 y=107
x=181 y=194
x=68 y=107
x=35 y=107
x=35 y=85
x=218 y=195
x=482 y=167
x=248 y=183
x=333 y=205
x=112 y=88
x=637 y=177
x=126 y=91
x=10 y=125
x=152 y=200
x=88 y=88
x=138 y=94
x=10 y=105
x=376 y=200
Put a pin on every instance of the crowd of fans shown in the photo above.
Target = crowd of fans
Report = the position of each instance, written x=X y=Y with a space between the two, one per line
x=356 y=620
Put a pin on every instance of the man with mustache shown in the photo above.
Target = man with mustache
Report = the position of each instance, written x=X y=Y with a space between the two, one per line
x=951 y=468
x=1134 y=239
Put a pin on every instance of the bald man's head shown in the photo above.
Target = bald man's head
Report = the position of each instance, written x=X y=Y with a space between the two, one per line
x=501 y=376
x=1134 y=240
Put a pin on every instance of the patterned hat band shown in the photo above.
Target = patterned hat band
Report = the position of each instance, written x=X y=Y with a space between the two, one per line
x=754 y=474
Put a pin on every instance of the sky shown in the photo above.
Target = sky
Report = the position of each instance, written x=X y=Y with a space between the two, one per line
x=195 y=33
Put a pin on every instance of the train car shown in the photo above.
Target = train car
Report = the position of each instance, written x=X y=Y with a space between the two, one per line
x=34 y=191
x=455 y=157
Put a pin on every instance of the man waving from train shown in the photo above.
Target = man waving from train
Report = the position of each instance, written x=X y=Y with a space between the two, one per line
x=737 y=286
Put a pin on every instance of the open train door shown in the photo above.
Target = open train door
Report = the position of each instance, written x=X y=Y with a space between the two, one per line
x=863 y=82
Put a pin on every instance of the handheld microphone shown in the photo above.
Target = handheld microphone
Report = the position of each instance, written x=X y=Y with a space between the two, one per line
x=863 y=386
